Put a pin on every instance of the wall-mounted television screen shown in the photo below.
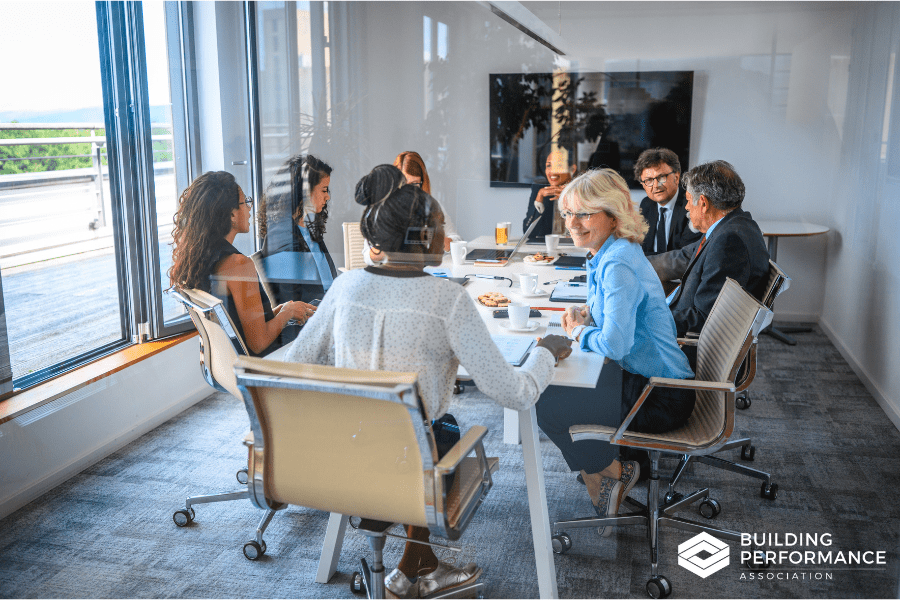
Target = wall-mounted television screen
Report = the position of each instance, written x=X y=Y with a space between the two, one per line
x=600 y=119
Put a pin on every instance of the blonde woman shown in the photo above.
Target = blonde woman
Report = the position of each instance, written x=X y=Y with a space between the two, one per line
x=625 y=319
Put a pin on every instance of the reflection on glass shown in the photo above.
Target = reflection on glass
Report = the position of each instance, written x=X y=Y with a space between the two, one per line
x=163 y=146
x=57 y=256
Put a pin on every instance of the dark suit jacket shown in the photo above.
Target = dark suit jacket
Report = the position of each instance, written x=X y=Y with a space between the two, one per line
x=680 y=235
x=735 y=249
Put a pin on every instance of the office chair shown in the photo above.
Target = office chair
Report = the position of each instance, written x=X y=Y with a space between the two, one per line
x=353 y=246
x=778 y=282
x=733 y=324
x=356 y=443
x=220 y=346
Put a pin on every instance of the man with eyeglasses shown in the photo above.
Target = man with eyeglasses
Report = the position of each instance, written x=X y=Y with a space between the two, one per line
x=659 y=171
x=731 y=245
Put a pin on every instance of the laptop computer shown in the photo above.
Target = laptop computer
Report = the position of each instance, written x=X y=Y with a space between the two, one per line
x=499 y=256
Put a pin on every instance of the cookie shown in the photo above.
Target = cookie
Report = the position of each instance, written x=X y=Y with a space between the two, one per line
x=493 y=299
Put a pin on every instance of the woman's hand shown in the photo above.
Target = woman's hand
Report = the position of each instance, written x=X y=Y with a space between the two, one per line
x=297 y=311
x=550 y=192
x=558 y=346
x=573 y=317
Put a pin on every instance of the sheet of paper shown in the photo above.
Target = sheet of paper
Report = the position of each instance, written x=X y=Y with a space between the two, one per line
x=569 y=292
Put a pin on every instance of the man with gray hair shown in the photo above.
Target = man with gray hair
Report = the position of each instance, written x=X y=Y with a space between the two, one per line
x=732 y=246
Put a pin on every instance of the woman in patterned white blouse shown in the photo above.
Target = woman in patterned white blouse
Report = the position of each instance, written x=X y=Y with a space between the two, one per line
x=397 y=317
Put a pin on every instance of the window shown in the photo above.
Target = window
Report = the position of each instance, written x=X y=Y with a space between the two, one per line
x=83 y=185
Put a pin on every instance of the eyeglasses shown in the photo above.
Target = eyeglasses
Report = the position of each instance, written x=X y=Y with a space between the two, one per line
x=660 y=179
x=248 y=200
x=582 y=216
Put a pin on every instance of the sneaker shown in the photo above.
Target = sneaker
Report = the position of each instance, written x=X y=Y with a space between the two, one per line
x=608 y=502
x=446 y=577
x=631 y=472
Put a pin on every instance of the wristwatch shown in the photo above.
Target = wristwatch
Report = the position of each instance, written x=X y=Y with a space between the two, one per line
x=577 y=332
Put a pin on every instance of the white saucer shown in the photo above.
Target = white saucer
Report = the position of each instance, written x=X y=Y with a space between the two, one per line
x=532 y=325
x=537 y=294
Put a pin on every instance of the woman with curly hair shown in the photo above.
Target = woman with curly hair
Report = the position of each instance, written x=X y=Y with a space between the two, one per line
x=292 y=219
x=211 y=212
x=627 y=320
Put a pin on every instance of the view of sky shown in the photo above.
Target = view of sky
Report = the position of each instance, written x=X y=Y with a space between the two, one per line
x=56 y=64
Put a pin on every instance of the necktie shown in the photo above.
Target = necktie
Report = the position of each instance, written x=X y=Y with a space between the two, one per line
x=661 y=231
x=700 y=247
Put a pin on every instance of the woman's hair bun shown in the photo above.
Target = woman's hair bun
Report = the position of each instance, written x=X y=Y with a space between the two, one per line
x=378 y=184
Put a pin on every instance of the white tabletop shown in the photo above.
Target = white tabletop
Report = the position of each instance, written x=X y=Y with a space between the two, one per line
x=790 y=228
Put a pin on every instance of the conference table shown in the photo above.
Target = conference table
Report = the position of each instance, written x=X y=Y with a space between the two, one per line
x=582 y=372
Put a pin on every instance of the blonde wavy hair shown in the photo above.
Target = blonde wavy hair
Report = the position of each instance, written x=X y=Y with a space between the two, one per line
x=604 y=190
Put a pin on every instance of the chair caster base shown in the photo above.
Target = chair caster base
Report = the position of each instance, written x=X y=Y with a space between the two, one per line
x=356 y=583
x=184 y=517
x=562 y=543
x=709 y=508
x=768 y=491
x=253 y=550
x=659 y=587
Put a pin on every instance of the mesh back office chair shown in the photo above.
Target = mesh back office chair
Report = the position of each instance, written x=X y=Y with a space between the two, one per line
x=220 y=346
x=733 y=325
x=778 y=282
x=353 y=247
x=322 y=430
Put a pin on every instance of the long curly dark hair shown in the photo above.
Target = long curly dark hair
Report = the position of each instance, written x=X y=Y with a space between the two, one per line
x=202 y=221
x=284 y=195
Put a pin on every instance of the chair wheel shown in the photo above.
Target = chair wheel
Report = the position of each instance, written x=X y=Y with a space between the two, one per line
x=768 y=491
x=579 y=479
x=709 y=508
x=672 y=498
x=183 y=517
x=748 y=452
x=659 y=587
x=562 y=543
x=242 y=476
x=356 y=583
x=742 y=401
x=253 y=550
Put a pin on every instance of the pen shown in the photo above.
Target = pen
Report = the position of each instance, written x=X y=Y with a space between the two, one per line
x=548 y=308
x=570 y=269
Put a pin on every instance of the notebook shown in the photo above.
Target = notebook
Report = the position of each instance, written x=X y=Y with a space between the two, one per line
x=515 y=348
x=565 y=291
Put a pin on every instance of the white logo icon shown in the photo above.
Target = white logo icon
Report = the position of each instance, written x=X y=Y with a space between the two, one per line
x=717 y=555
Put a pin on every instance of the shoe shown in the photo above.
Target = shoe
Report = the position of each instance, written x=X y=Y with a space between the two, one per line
x=446 y=577
x=398 y=585
x=631 y=472
x=608 y=502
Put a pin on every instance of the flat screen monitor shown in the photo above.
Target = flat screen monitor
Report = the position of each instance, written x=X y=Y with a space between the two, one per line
x=600 y=119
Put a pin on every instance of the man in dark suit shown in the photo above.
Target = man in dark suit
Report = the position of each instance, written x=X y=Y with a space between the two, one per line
x=732 y=246
x=659 y=171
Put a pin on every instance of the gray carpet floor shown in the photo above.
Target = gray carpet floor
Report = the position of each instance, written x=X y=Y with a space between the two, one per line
x=108 y=532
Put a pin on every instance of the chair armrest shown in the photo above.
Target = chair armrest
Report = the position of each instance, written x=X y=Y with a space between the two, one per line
x=248 y=439
x=687 y=384
x=750 y=374
x=458 y=452
x=688 y=341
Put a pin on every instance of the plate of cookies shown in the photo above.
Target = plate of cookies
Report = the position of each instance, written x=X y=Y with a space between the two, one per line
x=493 y=299
x=541 y=258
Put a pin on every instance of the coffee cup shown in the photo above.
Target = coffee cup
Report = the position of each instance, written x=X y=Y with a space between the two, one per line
x=458 y=252
x=518 y=315
x=552 y=241
x=528 y=283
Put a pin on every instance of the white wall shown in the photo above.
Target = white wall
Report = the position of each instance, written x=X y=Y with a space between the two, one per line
x=61 y=438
